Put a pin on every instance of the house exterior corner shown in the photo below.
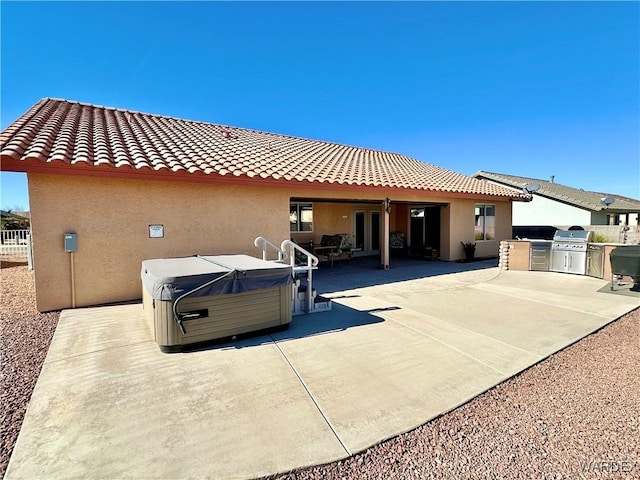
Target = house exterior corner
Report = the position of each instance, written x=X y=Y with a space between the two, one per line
x=111 y=218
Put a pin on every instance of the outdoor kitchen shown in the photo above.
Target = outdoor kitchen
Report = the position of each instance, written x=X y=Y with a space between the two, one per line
x=571 y=251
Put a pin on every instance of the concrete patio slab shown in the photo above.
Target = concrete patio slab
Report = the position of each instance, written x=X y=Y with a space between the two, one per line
x=117 y=407
x=399 y=348
x=500 y=356
x=562 y=290
x=540 y=329
x=380 y=379
x=107 y=331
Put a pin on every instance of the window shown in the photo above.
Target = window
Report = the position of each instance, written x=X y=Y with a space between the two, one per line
x=613 y=219
x=300 y=217
x=485 y=222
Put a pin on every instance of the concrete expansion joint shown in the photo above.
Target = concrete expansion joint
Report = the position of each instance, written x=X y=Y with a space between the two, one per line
x=311 y=396
x=451 y=347
x=456 y=286
x=488 y=279
x=529 y=299
x=493 y=339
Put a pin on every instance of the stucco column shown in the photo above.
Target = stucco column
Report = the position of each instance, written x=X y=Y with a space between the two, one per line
x=384 y=252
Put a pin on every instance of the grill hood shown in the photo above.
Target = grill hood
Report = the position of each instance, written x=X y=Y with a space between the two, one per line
x=572 y=235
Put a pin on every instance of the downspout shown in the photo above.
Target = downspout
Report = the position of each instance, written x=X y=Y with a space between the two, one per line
x=73 y=282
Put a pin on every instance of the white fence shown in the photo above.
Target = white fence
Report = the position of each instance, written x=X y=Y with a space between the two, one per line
x=15 y=243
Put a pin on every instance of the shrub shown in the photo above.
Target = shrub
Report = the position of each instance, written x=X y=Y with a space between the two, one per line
x=469 y=250
x=598 y=237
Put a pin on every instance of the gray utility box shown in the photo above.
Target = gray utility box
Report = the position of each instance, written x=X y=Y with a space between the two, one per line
x=71 y=242
x=230 y=295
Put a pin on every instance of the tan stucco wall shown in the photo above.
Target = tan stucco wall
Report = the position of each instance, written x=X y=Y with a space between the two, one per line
x=400 y=219
x=112 y=218
x=461 y=228
x=329 y=219
x=461 y=223
x=491 y=248
x=333 y=218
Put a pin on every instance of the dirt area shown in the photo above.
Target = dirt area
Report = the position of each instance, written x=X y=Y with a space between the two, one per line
x=574 y=415
x=25 y=336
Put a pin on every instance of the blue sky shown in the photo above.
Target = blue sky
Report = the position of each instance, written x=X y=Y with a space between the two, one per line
x=532 y=89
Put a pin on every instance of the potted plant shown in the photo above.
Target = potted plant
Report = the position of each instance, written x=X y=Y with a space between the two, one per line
x=469 y=250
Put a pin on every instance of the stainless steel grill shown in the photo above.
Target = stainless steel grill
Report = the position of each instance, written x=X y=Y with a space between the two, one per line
x=569 y=251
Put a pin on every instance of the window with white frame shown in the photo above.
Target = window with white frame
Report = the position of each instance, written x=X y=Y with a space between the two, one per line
x=300 y=217
x=485 y=228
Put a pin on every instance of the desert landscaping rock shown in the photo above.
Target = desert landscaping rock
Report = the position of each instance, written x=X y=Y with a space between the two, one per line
x=574 y=415
x=24 y=341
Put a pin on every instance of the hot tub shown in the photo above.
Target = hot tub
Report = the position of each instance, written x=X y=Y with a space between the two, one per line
x=197 y=299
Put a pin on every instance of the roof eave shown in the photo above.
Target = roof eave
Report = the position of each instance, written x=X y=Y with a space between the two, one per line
x=34 y=165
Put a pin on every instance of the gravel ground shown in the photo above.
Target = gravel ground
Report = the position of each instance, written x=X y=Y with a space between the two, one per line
x=574 y=415
x=24 y=341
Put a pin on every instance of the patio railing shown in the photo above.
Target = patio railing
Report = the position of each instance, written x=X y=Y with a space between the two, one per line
x=15 y=243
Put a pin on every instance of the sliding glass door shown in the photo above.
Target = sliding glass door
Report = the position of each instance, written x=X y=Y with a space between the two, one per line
x=366 y=231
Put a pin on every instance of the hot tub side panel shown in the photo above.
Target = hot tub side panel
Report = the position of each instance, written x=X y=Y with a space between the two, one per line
x=147 y=306
x=226 y=315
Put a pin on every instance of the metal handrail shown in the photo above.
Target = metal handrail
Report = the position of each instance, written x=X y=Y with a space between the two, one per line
x=282 y=255
x=312 y=262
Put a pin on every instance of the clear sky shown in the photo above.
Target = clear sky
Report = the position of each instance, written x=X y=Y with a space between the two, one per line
x=531 y=89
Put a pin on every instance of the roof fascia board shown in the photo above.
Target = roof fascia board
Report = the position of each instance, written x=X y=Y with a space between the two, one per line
x=81 y=169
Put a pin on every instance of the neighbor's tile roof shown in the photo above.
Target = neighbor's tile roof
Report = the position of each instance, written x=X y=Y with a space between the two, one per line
x=59 y=132
x=572 y=196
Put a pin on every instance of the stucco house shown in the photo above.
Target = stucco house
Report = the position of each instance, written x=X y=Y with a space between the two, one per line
x=134 y=186
x=561 y=206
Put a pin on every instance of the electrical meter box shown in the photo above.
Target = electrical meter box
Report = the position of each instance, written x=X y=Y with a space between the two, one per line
x=70 y=242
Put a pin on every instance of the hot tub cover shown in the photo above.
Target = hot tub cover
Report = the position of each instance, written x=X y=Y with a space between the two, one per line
x=169 y=278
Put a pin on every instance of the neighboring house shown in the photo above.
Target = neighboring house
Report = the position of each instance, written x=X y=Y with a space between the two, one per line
x=14 y=220
x=560 y=206
x=135 y=186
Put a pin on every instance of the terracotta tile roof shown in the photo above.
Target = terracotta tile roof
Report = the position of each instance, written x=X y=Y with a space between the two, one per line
x=59 y=132
x=572 y=196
